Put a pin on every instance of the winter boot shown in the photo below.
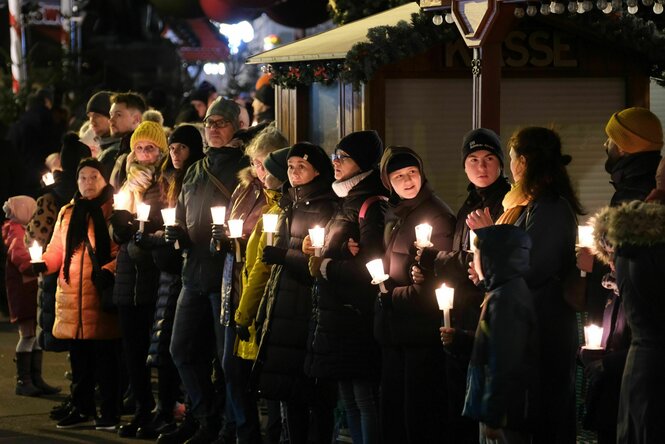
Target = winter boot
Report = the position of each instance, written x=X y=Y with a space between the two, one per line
x=36 y=372
x=24 y=386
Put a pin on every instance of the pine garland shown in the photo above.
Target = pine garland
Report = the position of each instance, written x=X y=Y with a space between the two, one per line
x=346 y=11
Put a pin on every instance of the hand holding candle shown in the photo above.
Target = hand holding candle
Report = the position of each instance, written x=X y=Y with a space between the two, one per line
x=235 y=233
x=593 y=336
x=423 y=235
x=585 y=239
x=375 y=268
x=270 y=226
x=36 y=252
x=48 y=179
x=168 y=216
x=317 y=235
x=142 y=214
x=445 y=296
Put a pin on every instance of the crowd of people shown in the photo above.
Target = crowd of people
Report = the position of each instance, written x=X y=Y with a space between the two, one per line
x=140 y=272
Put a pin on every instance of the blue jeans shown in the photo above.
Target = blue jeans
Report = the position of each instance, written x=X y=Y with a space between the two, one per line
x=360 y=403
x=197 y=335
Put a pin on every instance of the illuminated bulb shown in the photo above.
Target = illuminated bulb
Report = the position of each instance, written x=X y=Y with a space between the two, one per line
x=531 y=10
x=632 y=9
x=580 y=8
x=572 y=7
x=449 y=18
x=545 y=9
x=587 y=5
x=657 y=8
x=519 y=12
x=437 y=19
x=553 y=7
x=607 y=9
x=601 y=4
x=560 y=8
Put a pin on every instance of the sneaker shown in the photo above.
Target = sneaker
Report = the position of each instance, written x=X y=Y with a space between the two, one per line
x=61 y=410
x=74 y=419
x=106 y=423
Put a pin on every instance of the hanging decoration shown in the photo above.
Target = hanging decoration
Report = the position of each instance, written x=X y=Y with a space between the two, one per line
x=226 y=11
x=300 y=13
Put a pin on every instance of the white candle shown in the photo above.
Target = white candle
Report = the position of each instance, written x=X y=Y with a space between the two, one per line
x=235 y=228
x=317 y=236
x=375 y=268
x=36 y=251
x=593 y=336
x=142 y=214
x=270 y=226
x=168 y=215
x=584 y=239
x=48 y=179
x=120 y=200
x=218 y=215
x=445 y=296
x=423 y=235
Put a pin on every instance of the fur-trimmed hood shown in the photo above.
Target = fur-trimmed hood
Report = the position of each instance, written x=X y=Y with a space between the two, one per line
x=246 y=176
x=633 y=223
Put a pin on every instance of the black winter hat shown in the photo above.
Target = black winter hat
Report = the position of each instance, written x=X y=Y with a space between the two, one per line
x=315 y=155
x=364 y=147
x=275 y=163
x=481 y=139
x=266 y=94
x=92 y=163
x=99 y=103
x=190 y=136
x=72 y=151
x=402 y=160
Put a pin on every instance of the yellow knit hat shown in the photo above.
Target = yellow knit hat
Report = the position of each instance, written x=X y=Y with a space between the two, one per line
x=635 y=130
x=150 y=132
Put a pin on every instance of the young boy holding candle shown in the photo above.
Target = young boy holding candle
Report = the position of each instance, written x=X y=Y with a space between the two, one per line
x=502 y=376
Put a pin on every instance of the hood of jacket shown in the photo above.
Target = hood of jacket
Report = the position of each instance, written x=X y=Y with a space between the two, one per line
x=504 y=253
x=385 y=160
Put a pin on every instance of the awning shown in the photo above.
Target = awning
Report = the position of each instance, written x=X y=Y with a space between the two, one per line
x=335 y=43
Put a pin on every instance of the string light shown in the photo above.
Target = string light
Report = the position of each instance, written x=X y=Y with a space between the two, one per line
x=437 y=19
x=519 y=12
x=449 y=18
x=531 y=10
x=657 y=8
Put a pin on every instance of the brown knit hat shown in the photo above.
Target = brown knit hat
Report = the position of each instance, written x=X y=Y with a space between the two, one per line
x=635 y=130
x=151 y=132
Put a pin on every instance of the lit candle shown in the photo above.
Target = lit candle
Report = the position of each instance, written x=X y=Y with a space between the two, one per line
x=375 y=268
x=142 y=213
x=423 y=235
x=235 y=233
x=168 y=215
x=585 y=239
x=593 y=336
x=270 y=226
x=120 y=200
x=36 y=252
x=48 y=179
x=445 y=296
x=218 y=215
x=317 y=236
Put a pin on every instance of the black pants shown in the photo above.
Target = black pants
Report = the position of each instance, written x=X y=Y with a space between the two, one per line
x=313 y=420
x=136 y=326
x=413 y=396
x=95 y=362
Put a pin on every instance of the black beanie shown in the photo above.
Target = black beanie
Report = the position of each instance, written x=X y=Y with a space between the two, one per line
x=190 y=136
x=402 y=160
x=72 y=151
x=482 y=139
x=315 y=155
x=99 y=103
x=266 y=94
x=364 y=147
x=275 y=164
x=92 y=163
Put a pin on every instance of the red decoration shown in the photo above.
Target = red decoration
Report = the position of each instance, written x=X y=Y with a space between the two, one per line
x=300 y=13
x=225 y=11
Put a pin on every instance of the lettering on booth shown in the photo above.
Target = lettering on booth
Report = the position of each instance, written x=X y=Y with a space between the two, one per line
x=540 y=49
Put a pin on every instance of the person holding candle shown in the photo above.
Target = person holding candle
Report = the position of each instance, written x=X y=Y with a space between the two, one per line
x=279 y=369
x=83 y=255
x=137 y=277
x=407 y=317
x=21 y=285
x=341 y=343
x=543 y=203
x=502 y=381
x=483 y=161
x=208 y=182
x=634 y=236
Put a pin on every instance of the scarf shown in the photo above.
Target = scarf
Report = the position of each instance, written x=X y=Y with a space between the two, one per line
x=343 y=187
x=139 y=179
x=513 y=203
x=77 y=232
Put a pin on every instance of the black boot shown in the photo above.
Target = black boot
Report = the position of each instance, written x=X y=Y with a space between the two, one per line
x=207 y=432
x=24 y=385
x=36 y=372
x=161 y=423
x=129 y=430
x=182 y=433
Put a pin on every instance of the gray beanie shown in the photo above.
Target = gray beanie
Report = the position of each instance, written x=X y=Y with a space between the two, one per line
x=99 y=103
x=228 y=109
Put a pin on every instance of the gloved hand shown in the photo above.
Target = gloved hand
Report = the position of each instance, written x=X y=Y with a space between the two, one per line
x=242 y=332
x=386 y=299
x=103 y=279
x=427 y=258
x=148 y=241
x=274 y=255
x=174 y=233
x=38 y=267
x=219 y=233
x=121 y=221
x=222 y=246
x=315 y=266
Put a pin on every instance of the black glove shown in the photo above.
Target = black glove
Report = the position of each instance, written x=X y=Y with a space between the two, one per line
x=386 y=299
x=222 y=246
x=38 y=267
x=149 y=241
x=103 y=279
x=427 y=258
x=121 y=221
x=219 y=233
x=174 y=233
x=242 y=332
x=274 y=255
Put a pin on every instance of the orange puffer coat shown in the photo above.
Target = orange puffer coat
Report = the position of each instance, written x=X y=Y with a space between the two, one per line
x=78 y=314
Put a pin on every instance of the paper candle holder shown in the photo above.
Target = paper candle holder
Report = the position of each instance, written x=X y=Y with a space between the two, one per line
x=423 y=235
x=593 y=337
x=36 y=252
x=218 y=215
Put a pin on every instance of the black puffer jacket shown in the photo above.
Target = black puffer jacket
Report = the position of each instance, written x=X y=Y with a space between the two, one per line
x=281 y=357
x=341 y=341
x=413 y=317
x=202 y=271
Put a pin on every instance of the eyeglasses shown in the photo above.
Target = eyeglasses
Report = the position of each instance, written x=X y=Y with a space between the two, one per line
x=217 y=124
x=339 y=157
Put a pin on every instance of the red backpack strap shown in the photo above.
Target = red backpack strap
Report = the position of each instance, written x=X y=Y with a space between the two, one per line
x=368 y=203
